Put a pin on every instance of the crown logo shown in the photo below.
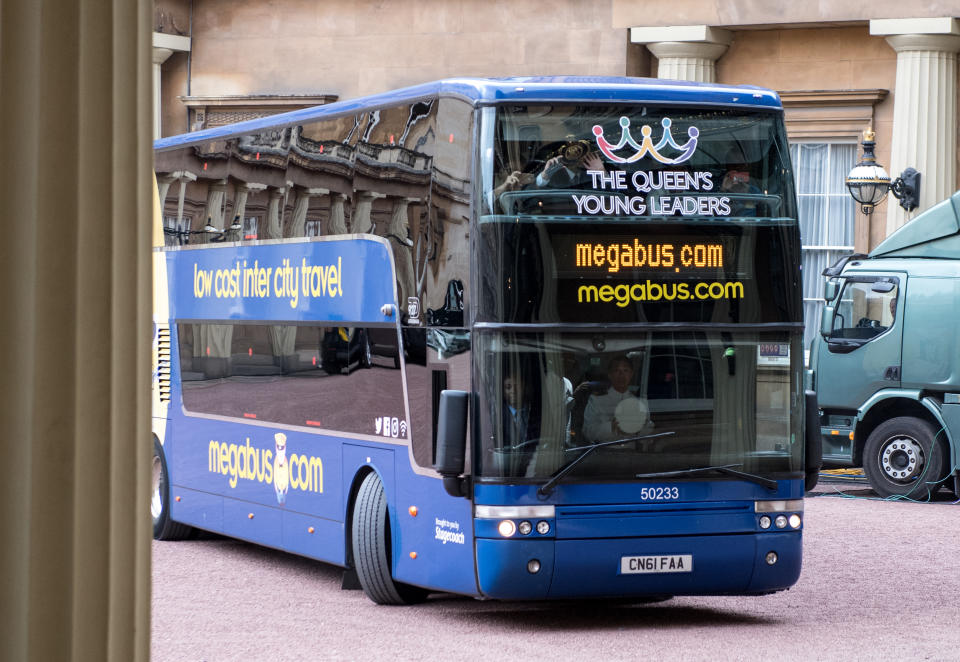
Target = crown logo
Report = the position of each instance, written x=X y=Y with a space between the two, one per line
x=646 y=145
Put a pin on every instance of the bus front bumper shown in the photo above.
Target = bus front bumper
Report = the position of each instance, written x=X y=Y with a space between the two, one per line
x=537 y=569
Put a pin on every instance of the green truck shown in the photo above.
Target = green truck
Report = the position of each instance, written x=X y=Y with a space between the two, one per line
x=886 y=364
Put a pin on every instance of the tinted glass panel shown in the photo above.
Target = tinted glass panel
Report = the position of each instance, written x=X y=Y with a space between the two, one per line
x=577 y=271
x=622 y=161
x=336 y=378
x=636 y=214
x=677 y=400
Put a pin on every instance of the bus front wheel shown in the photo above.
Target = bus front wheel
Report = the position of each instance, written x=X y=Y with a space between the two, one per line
x=371 y=548
x=164 y=528
x=904 y=457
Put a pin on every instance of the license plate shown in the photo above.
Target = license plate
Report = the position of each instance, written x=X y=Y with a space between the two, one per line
x=640 y=565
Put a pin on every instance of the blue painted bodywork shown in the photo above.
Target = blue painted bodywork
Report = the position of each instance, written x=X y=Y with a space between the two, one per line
x=342 y=280
x=713 y=521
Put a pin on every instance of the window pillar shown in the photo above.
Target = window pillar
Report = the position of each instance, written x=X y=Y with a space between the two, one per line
x=924 y=107
x=685 y=52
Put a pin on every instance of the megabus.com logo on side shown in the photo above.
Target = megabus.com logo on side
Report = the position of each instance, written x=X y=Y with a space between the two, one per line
x=302 y=473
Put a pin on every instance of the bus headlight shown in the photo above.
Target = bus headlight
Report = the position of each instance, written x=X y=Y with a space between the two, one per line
x=794 y=521
x=765 y=522
x=781 y=521
x=525 y=527
x=543 y=527
x=507 y=528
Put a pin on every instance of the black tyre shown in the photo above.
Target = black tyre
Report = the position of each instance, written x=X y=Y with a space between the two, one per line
x=371 y=548
x=164 y=528
x=904 y=457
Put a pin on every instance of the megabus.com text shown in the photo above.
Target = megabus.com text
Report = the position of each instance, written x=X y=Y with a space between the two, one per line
x=245 y=462
x=623 y=295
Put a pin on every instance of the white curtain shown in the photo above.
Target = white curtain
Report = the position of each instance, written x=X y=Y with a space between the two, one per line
x=827 y=217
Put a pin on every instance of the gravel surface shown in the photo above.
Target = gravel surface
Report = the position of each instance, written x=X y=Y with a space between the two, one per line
x=881 y=580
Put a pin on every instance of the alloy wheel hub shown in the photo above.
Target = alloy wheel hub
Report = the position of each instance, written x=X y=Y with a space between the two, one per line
x=902 y=459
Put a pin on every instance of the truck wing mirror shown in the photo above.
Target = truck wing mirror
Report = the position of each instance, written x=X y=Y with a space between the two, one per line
x=882 y=286
x=452 y=440
x=826 y=321
x=830 y=289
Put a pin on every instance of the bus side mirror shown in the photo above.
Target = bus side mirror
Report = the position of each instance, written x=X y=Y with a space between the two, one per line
x=826 y=321
x=452 y=440
x=813 y=442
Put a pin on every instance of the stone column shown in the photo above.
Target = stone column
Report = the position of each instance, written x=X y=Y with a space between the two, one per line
x=75 y=260
x=164 y=45
x=362 y=223
x=213 y=212
x=301 y=204
x=243 y=192
x=338 y=218
x=271 y=226
x=160 y=56
x=185 y=178
x=684 y=52
x=398 y=234
x=164 y=180
x=924 y=107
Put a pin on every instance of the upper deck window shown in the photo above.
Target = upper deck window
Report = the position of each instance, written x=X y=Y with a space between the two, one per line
x=636 y=214
x=628 y=161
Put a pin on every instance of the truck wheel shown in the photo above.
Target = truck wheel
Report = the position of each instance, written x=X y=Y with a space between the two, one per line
x=371 y=548
x=904 y=457
x=164 y=528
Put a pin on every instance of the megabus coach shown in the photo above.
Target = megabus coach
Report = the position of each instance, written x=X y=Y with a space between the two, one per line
x=518 y=338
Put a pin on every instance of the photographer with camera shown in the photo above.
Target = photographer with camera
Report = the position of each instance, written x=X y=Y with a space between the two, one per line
x=568 y=168
x=737 y=181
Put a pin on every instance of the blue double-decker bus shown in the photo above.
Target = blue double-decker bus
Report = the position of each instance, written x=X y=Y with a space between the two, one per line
x=526 y=338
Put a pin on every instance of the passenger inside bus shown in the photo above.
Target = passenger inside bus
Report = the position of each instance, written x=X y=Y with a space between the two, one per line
x=519 y=423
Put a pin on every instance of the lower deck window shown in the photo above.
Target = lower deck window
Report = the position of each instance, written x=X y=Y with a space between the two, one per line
x=336 y=378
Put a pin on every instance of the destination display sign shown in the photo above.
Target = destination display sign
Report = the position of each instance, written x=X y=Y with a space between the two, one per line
x=625 y=256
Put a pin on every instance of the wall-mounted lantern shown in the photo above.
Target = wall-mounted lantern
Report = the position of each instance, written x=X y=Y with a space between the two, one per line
x=869 y=183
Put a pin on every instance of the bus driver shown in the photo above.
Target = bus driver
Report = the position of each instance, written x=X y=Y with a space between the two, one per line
x=602 y=418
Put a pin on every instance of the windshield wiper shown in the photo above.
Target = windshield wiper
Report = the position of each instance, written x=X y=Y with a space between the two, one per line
x=727 y=469
x=545 y=489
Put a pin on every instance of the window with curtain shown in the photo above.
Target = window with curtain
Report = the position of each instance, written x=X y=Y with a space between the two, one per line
x=827 y=217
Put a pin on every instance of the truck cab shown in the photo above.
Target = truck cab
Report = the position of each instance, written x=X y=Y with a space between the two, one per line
x=886 y=363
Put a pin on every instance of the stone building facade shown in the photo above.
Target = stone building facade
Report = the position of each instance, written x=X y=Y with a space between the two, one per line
x=840 y=69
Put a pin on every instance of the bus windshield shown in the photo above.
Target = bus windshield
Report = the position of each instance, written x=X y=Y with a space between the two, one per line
x=679 y=399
